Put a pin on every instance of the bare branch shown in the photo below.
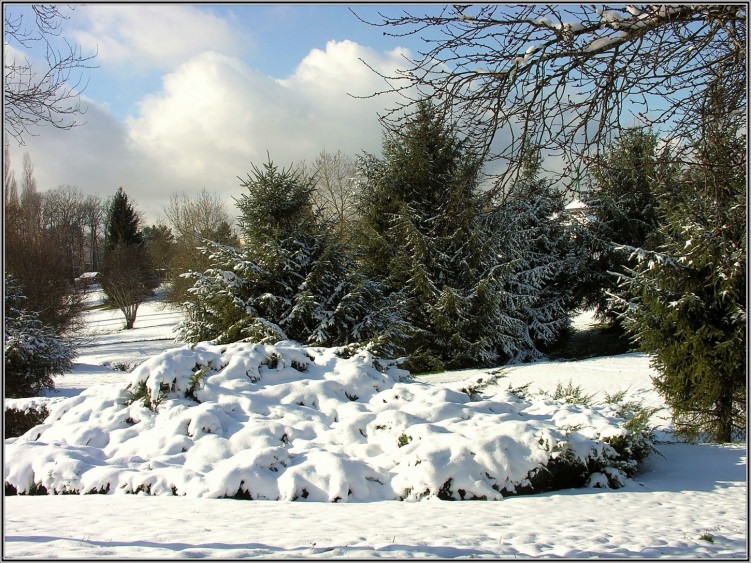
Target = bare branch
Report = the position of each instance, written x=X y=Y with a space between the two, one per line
x=566 y=79
x=45 y=94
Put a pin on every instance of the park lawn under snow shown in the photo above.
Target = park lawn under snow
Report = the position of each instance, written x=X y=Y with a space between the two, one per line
x=358 y=429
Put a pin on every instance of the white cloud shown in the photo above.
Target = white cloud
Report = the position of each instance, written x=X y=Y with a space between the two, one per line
x=215 y=115
x=212 y=118
x=142 y=36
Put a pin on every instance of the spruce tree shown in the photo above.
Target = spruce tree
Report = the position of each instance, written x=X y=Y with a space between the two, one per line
x=33 y=352
x=122 y=223
x=687 y=300
x=544 y=261
x=128 y=276
x=291 y=280
x=623 y=202
x=422 y=233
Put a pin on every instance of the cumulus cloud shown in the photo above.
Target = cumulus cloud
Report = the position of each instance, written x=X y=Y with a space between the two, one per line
x=142 y=37
x=97 y=158
x=214 y=116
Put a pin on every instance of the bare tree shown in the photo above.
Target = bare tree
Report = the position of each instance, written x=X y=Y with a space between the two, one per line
x=63 y=211
x=194 y=218
x=46 y=93
x=36 y=259
x=567 y=78
x=336 y=186
x=94 y=218
x=126 y=279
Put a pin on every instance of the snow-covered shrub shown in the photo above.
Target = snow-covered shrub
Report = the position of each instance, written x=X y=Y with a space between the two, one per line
x=290 y=422
x=33 y=353
x=18 y=421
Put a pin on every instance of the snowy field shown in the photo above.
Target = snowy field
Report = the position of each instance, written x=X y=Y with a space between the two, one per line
x=689 y=502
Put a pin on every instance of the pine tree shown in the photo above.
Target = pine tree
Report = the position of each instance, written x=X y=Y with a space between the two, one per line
x=32 y=352
x=122 y=223
x=624 y=205
x=687 y=301
x=292 y=279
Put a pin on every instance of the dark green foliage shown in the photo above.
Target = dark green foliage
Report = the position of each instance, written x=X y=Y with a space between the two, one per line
x=122 y=223
x=624 y=205
x=292 y=280
x=33 y=352
x=128 y=276
x=543 y=256
x=278 y=206
x=18 y=422
x=421 y=234
x=687 y=301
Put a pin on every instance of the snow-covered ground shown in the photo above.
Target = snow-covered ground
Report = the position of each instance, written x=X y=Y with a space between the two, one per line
x=689 y=502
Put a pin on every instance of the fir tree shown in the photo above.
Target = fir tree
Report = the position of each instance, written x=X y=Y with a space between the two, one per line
x=687 y=301
x=292 y=279
x=32 y=352
x=122 y=223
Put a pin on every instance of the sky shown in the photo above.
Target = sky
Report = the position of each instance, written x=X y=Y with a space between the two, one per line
x=187 y=97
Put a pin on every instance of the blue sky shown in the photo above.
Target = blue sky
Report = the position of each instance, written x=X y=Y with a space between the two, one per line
x=186 y=97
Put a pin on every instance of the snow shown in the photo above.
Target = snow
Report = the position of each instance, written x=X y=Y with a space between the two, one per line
x=691 y=501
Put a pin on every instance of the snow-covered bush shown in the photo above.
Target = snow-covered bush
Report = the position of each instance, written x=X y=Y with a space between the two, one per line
x=33 y=353
x=18 y=421
x=289 y=422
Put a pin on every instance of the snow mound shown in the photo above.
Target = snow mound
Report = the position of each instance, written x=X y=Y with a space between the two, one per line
x=291 y=422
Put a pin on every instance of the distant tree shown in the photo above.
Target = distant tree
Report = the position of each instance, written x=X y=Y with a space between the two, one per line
x=35 y=257
x=48 y=94
x=127 y=274
x=64 y=214
x=336 y=184
x=127 y=279
x=160 y=247
x=94 y=218
x=122 y=223
x=32 y=352
x=194 y=219
x=686 y=301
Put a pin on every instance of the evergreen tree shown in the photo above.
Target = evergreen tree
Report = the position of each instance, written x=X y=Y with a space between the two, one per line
x=292 y=279
x=423 y=234
x=127 y=272
x=544 y=260
x=32 y=352
x=624 y=205
x=687 y=301
x=122 y=223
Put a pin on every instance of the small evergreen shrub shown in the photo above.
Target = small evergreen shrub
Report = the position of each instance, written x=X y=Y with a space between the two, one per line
x=570 y=394
x=33 y=352
x=17 y=422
